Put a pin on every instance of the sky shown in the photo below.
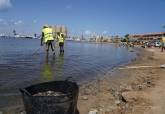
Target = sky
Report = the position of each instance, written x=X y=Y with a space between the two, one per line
x=107 y=17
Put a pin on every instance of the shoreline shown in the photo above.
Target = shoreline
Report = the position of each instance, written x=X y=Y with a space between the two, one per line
x=137 y=51
x=125 y=91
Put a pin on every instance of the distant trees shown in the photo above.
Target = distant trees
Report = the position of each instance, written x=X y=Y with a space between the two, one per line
x=164 y=28
x=126 y=38
x=123 y=40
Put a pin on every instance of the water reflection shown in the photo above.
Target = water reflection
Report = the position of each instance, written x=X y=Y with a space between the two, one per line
x=53 y=67
x=81 y=61
x=60 y=67
x=47 y=71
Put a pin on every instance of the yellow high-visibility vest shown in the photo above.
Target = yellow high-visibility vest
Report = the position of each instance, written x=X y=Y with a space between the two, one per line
x=60 y=39
x=48 y=34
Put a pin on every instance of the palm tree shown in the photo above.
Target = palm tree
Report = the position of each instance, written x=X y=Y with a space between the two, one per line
x=127 y=38
x=163 y=26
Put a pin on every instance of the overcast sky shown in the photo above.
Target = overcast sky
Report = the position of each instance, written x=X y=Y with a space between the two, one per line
x=101 y=16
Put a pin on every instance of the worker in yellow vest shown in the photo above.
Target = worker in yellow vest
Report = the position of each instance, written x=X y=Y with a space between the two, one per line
x=61 y=38
x=163 y=43
x=47 y=38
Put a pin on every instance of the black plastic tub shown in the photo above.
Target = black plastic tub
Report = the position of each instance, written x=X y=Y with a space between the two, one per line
x=62 y=104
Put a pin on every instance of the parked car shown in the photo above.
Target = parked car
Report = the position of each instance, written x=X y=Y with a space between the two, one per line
x=151 y=44
x=157 y=44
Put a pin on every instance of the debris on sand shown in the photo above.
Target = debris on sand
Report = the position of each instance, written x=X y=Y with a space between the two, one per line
x=94 y=111
x=162 y=66
x=49 y=93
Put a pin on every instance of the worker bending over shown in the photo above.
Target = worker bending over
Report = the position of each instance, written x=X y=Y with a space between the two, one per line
x=47 y=38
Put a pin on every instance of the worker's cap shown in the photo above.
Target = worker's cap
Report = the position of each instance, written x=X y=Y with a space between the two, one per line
x=61 y=33
x=46 y=26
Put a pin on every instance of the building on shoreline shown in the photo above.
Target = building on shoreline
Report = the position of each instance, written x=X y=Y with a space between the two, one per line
x=109 y=39
x=60 y=28
x=147 y=36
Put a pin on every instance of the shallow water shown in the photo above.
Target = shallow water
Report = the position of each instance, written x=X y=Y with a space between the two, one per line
x=23 y=62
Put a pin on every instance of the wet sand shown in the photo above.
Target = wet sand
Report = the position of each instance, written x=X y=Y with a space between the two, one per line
x=137 y=88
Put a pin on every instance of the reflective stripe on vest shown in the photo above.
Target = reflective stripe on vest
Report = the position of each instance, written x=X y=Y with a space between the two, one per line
x=48 y=34
x=60 y=39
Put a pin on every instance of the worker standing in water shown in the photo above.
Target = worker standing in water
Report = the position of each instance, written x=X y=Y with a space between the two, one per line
x=47 y=38
x=60 y=38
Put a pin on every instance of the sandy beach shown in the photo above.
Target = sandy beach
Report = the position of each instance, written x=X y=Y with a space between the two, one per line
x=136 y=88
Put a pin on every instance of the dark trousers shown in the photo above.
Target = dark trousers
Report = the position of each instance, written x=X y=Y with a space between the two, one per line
x=48 y=44
x=61 y=45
